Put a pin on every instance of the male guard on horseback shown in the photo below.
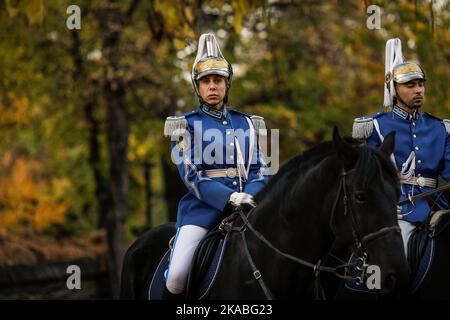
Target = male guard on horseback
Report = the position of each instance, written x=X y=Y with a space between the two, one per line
x=218 y=157
x=422 y=148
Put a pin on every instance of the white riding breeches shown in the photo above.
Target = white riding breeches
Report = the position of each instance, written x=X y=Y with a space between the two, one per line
x=407 y=229
x=186 y=241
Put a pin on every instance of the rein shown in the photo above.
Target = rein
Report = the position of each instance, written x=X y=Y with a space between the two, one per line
x=425 y=194
x=360 y=242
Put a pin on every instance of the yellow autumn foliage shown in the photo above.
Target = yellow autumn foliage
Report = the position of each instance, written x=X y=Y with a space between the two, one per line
x=33 y=9
x=17 y=112
x=26 y=199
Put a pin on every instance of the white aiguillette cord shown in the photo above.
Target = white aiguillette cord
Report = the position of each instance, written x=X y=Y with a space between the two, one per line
x=409 y=167
x=240 y=163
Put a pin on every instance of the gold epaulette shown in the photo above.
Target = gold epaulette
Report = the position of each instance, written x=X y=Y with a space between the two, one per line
x=447 y=125
x=362 y=128
x=175 y=126
x=259 y=125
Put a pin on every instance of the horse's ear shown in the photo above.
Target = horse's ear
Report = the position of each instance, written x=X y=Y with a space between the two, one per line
x=346 y=153
x=388 y=145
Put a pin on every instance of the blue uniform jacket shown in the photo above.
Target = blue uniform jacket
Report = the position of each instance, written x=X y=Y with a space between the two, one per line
x=426 y=136
x=213 y=146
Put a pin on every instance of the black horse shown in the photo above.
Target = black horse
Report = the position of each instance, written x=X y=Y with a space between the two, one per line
x=337 y=192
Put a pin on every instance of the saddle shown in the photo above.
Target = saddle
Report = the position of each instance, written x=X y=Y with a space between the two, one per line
x=208 y=257
x=204 y=256
x=417 y=244
x=205 y=265
x=421 y=246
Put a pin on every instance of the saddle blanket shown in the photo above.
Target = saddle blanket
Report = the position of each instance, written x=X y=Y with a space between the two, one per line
x=158 y=281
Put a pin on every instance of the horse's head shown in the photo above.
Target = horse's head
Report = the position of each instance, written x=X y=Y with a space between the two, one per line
x=364 y=214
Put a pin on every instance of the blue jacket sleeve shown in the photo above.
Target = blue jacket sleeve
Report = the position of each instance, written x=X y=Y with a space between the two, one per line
x=204 y=188
x=258 y=174
x=374 y=140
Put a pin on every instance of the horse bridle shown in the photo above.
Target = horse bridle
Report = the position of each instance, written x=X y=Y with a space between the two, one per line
x=360 y=243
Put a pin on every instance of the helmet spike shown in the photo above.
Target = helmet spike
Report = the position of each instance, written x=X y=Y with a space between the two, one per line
x=210 y=46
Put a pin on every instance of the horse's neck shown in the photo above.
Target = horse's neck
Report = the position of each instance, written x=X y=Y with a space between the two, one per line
x=300 y=224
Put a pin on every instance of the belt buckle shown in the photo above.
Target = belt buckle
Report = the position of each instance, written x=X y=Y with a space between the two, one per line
x=421 y=181
x=231 y=173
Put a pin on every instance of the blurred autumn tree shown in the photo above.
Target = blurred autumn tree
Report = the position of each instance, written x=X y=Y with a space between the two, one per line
x=82 y=111
x=91 y=90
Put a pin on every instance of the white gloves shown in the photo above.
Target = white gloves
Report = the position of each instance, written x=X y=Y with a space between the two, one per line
x=239 y=199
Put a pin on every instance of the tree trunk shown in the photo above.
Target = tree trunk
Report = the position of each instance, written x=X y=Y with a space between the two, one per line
x=93 y=126
x=117 y=136
x=148 y=193
x=101 y=189
x=117 y=132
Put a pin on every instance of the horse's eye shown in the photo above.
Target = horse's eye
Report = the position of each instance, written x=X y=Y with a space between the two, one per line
x=360 y=196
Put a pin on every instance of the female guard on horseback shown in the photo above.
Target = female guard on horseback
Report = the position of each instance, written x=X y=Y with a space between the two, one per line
x=217 y=154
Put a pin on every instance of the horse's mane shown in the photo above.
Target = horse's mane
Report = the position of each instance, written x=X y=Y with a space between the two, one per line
x=294 y=166
x=366 y=168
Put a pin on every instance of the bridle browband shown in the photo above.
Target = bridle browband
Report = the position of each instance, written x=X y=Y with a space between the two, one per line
x=360 y=242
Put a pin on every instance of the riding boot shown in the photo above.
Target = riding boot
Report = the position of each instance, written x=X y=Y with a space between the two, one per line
x=167 y=295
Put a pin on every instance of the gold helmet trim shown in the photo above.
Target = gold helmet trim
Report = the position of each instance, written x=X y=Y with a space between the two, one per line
x=211 y=66
x=407 y=71
x=209 y=60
